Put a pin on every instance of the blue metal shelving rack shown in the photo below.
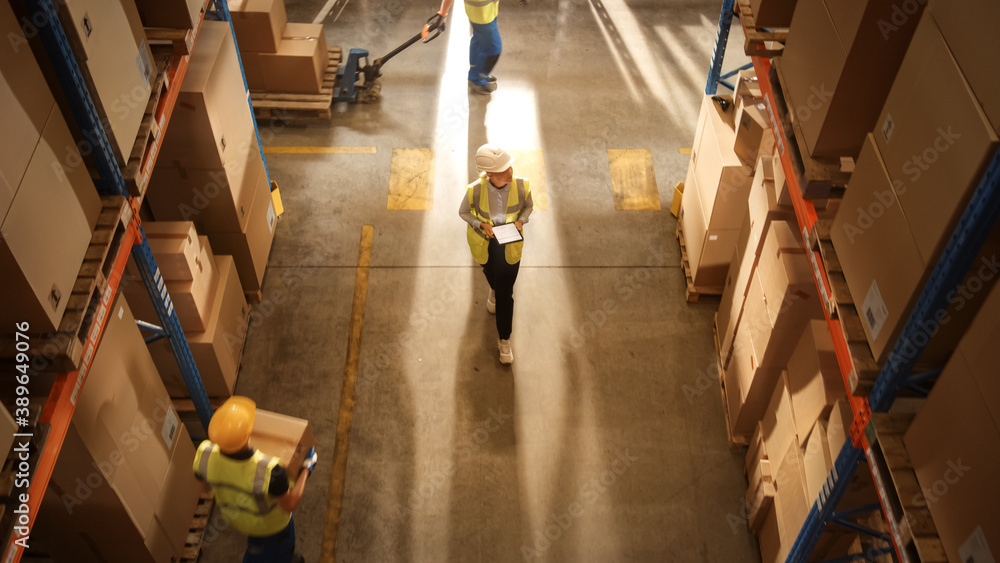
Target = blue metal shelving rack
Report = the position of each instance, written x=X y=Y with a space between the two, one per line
x=977 y=221
x=110 y=182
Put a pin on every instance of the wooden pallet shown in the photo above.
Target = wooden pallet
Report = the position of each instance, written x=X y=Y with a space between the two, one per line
x=147 y=140
x=818 y=178
x=841 y=305
x=181 y=41
x=906 y=509
x=61 y=351
x=196 y=533
x=757 y=39
x=736 y=443
x=694 y=293
x=296 y=107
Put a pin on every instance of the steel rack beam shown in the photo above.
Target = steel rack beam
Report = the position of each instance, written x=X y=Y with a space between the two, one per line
x=715 y=72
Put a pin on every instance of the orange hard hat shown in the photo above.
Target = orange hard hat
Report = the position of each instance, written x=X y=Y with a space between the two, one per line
x=232 y=424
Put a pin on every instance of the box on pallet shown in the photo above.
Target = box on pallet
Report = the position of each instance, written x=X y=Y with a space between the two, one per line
x=111 y=44
x=258 y=24
x=722 y=179
x=251 y=247
x=816 y=460
x=814 y=377
x=55 y=207
x=122 y=489
x=828 y=64
x=299 y=65
x=978 y=348
x=968 y=27
x=754 y=137
x=172 y=14
x=772 y=13
x=217 y=349
x=709 y=251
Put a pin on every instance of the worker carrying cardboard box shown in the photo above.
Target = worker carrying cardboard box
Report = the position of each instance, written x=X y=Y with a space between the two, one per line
x=254 y=492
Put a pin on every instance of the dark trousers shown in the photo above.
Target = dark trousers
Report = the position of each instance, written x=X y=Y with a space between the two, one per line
x=484 y=51
x=501 y=277
x=278 y=548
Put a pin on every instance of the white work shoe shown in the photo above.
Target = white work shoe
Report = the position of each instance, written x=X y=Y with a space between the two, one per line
x=491 y=302
x=506 y=355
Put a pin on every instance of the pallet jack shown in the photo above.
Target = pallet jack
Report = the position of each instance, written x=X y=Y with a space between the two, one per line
x=368 y=91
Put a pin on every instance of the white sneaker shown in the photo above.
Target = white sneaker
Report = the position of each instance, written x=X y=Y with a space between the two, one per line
x=506 y=355
x=491 y=302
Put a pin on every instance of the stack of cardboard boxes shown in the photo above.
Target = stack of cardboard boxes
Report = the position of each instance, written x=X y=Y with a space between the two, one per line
x=210 y=169
x=48 y=204
x=205 y=292
x=279 y=56
x=122 y=489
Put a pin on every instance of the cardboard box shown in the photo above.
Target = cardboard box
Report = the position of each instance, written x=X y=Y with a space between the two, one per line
x=954 y=445
x=790 y=500
x=778 y=423
x=173 y=14
x=27 y=104
x=747 y=87
x=175 y=247
x=773 y=13
x=731 y=303
x=675 y=203
x=211 y=127
x=214 y=199
x=816 y=460
x=300 y=63
x=55 y=209
x=814 y=377
x=978 y=347
x=722 y=180
x=967 y=26
x=780 y=185
x=934 y=139
x=119 y=69
x=748 y=386
x=258 y=24
x=838 y=427
x=282 y=436
x=707 y=251
x=217 y=350
x=193 y=300
x=760 y=493
x=7 y=431
x=788 y=283
x=827 y=65
x=251 y=247
x=754 y=137
x=879 y=257
x=179 y=498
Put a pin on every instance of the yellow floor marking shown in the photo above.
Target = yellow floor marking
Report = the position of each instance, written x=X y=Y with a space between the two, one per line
x=530 y=164
x=632 y=180
x=320 y=150
x=329 y=546
x=686 y=150
x=411 y=177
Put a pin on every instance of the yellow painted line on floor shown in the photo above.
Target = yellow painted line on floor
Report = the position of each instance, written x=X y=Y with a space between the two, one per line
x=329 y=547
x=632 y=180
x=320 y=150
x=411 y=177
x=530 y=164
x=686 y=150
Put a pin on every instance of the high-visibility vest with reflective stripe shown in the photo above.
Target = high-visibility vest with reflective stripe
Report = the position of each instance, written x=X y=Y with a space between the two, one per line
x=240 y=488
x=481 y=11
x=479 y=203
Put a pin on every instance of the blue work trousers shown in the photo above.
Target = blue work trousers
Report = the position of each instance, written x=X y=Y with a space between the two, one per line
x=278 y=548
x=484 y=50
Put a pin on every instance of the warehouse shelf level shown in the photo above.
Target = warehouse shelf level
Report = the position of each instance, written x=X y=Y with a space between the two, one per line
x=57 y=412
x=965 y=242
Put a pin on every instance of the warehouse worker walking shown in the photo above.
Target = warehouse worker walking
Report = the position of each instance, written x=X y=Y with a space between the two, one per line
x=497 y=198
x=485 y=46
x=254 y=493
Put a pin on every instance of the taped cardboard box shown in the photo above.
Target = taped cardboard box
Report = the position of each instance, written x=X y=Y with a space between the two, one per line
x=258 y=24
x=117 y=64
x=723 y=180
x=55 y=208
x=282 y=436
x=954 y=445
x=175 y=247
x=299 y=65
x=250 y=248
x=827 y=65
x=709 y=252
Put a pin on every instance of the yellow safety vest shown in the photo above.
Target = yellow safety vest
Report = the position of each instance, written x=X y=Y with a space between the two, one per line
x=240 y=488
x=479 y=203
x=482 y=11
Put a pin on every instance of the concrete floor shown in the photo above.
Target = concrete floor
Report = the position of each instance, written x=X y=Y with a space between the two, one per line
x=605 y=440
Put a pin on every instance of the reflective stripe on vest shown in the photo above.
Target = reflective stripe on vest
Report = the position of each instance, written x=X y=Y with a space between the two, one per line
x=240 y=489
x=482 y=11
x=479 y=204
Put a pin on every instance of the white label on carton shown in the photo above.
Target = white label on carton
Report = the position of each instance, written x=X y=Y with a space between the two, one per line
x=873 y=310
x=145 y=65
x=888 y=126
x=713 y=237
x=975 y=549
x=271 y=217
x=121 y=311
x=169 y=429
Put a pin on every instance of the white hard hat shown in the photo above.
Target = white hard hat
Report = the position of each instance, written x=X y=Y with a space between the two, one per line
x=491 y=158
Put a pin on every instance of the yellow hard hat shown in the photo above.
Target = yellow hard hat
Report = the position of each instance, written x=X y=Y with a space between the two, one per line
x=232 y=424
